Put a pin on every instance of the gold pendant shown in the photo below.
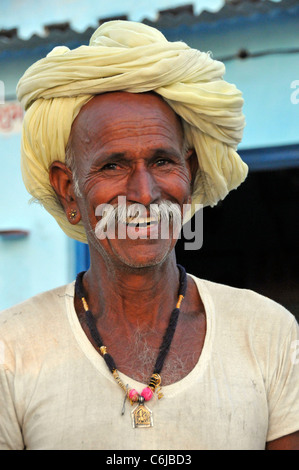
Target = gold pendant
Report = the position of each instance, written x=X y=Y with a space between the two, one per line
x=142 y=416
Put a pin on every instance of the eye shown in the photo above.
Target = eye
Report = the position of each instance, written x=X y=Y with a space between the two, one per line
x=163 y=161
x=110 y=166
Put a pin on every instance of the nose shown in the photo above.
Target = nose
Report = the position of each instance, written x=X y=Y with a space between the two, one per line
x=142 y=187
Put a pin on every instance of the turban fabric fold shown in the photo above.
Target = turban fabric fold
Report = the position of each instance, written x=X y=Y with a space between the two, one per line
x=136 y=58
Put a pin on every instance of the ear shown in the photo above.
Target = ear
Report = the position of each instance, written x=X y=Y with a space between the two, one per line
x=61 y=179
x=192 y=165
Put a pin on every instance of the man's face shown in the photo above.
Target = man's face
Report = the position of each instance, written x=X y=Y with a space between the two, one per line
x=129 y=145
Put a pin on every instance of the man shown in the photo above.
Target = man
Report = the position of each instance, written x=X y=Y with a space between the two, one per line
x=137 y=117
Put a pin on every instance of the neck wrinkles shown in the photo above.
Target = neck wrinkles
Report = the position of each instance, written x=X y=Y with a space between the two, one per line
x=135 y=297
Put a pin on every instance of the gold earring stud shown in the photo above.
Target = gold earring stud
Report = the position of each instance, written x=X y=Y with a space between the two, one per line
x=73 y=213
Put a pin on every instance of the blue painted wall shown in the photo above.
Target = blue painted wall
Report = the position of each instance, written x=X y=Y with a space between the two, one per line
x=84 y=13
x=45 y=258
x=39 y=261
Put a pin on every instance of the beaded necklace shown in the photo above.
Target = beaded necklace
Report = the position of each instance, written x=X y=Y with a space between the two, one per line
x=141 y=415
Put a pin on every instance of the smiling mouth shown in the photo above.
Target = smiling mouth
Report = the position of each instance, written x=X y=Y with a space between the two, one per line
x=137 y=222
x=142 y=221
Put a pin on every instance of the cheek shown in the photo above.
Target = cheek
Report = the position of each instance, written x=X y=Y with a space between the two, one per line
x=101 y=192
x=105 y=189
x=88 y=205
x=177 y=185
x=174 y=185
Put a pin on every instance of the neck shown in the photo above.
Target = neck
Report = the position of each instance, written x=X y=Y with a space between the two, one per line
x=132 y=296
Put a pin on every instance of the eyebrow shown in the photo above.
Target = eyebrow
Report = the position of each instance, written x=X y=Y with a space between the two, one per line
x=171 y=152
x=115 y=156
x=123 y=156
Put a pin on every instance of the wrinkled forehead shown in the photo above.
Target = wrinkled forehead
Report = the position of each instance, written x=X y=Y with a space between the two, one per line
x=121 y=112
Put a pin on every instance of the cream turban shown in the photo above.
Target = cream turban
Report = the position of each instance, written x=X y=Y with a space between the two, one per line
x=131 y=57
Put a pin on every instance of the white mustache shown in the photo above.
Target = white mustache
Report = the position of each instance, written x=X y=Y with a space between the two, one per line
x=165 y=212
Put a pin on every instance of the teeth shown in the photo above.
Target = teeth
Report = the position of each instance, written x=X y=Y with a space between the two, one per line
x=141 y=220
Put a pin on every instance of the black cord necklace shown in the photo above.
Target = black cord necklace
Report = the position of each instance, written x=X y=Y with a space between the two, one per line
x=142 y=416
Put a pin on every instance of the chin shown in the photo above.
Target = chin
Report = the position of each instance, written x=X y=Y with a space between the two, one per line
x=139 y=259
x=142 y=264
x=133 y=254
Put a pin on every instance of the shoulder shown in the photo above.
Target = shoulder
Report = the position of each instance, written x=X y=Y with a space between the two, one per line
x=40 y=309
x=243 y=306
x=33 y=329
x=249 y=326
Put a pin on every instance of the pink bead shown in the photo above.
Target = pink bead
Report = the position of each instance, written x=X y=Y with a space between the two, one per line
x=133 y=394
x=147 y=393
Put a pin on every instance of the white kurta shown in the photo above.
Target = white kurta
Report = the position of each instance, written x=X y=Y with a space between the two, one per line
x=57 y=393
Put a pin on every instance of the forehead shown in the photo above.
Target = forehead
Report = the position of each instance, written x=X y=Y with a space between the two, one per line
x=120 y=119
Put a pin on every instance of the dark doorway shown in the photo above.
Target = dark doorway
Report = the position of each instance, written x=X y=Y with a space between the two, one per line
x=251 y=239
